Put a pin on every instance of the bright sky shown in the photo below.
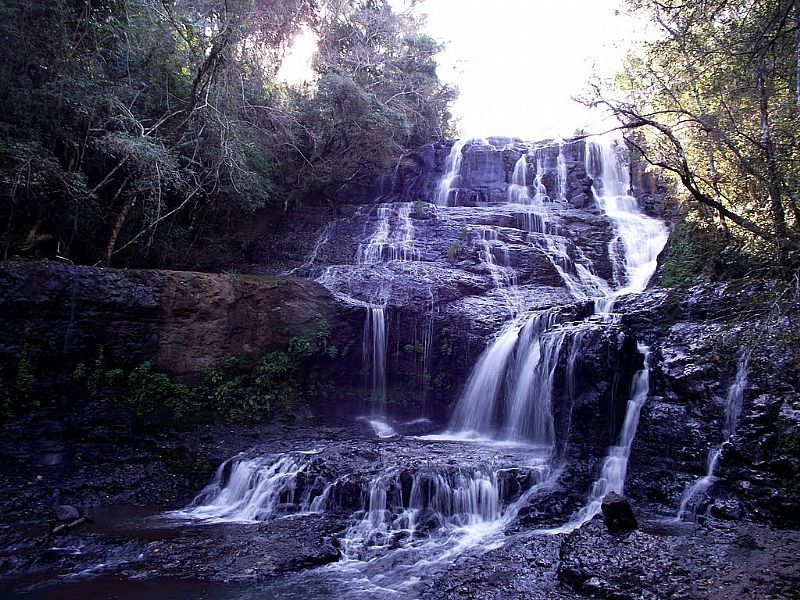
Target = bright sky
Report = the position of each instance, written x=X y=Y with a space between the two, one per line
x=518 y=63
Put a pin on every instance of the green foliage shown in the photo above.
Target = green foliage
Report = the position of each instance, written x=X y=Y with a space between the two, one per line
x=6 y=399
x=144 y=133
x=453 y=252
x=25 y=380
x=440 y=381
x=114 y=376
x=419 y=209
x=415 y=348
x=464 y=233
x=713 y=99
x=196 y=468
x=92 y=376
x=698 y=252
x=240 y=391
x=150 y=394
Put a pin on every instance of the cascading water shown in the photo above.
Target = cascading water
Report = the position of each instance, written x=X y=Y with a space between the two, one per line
x=615 y=465
x=452 y=172
x=561 y=174
x=639 y=239
x=691 y=500
x=257 y=489
x=508 y=394
x=392 y=240
x=374 y=354
x=419 y=502
x=479 y=412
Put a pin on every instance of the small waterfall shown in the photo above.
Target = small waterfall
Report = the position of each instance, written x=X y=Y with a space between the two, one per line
x=393 y=238
x=518 y=192
x=577 y=275
x=539 y=190
x=452 y=172
x=561 y=175
x=615 y=465
x=509 y=393
x=639 y=239
x=494 y=255
x=532 y=217
x=374 y=354
x=474 y=415
x=396 y=514
x=529 y=410
x=691 y=500
x=312 y=256
x=258 y=489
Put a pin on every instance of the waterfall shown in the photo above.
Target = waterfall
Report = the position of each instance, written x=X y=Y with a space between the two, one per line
x=257 y=489
x=539 y=190
x=508 y=394
x=733 y=407
x=561 y=177
x=393 y=238
x=529 y=411
x=452 y=172
x=374 y=354
x=615 y=465
x=474 y=415
x=639 y=239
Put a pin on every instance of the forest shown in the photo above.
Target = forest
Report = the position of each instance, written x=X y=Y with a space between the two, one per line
x=148 y=133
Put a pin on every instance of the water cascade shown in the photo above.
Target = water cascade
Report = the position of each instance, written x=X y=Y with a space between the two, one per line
x=639 y=239
x=257 y=489
x=615 y=465
x=374 y=354
x=452 y=172
x=691 y=500
x=561 y=174
x=392 y=240
x=508 y=394
x=416 y=502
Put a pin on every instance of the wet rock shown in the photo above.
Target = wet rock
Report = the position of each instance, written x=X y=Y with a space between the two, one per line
x=580 y=200
x=67 y=512
x=618 y=515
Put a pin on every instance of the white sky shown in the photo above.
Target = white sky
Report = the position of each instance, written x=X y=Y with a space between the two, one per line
x=517 y=63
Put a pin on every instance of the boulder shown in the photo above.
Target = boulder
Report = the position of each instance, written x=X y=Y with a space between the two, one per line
x=617 y=514
x=67 y=512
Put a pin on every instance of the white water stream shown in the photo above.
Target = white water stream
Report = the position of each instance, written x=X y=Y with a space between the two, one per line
x=693 y=496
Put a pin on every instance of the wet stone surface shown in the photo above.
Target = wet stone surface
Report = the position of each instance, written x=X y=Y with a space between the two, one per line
x=305 y=555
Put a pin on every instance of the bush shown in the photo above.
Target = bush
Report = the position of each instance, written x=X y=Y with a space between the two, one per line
x=152 y=394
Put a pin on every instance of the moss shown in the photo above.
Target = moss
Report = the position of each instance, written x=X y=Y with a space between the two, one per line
x=453 y=252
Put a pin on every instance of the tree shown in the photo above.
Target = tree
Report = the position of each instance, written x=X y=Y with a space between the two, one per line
x=146 y=132
x=714 y=96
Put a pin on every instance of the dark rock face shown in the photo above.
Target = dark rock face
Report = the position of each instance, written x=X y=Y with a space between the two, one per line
x=618 y=515
x=697 y=337
x=180 y=321
x=444 y=275
x=674 y=563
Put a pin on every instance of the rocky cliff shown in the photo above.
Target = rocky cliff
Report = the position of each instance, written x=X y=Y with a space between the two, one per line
x=182 y=322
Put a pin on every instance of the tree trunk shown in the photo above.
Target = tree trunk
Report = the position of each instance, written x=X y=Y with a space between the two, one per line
x=797 y=51
x=130 y=200
x=773 y=177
